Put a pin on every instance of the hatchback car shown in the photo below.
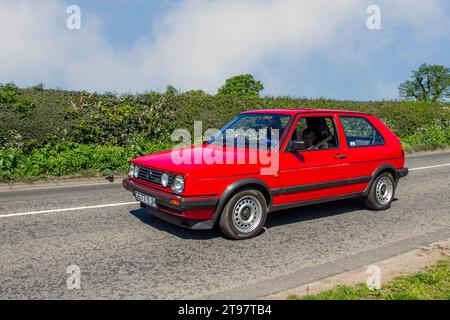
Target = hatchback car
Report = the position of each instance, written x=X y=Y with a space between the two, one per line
x=272 y=160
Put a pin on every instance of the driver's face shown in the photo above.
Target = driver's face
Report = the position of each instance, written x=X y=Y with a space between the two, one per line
x=309 y=139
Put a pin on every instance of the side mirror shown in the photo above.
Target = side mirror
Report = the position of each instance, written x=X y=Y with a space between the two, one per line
x=298 y=145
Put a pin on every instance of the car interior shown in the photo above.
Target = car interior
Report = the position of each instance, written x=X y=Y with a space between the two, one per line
x=316 y=133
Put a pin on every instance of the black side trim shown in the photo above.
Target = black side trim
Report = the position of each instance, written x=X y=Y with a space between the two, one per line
x=276 y=192
x=199 y=204
x=315 y=201
x=323 y=185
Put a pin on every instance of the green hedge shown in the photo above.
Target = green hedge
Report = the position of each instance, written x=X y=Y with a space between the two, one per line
x=429 y=137
x=31 y=118
x=70 y=158
x=55 y=133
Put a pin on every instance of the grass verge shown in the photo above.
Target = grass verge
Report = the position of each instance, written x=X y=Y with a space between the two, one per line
x=433 y=283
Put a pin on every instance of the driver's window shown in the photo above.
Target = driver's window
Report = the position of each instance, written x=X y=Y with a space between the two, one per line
x=317 y=133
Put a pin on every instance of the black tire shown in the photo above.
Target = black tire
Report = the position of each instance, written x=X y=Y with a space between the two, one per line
x=248 y=202
x=374 y=199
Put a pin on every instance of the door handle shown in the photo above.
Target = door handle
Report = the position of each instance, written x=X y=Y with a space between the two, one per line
x=341 y=156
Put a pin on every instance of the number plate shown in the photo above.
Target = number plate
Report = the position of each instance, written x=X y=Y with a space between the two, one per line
x=148 y=200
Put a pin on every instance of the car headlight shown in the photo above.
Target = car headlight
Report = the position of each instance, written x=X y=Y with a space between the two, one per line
x=133 y=171
x=165 y=180
x=178 y=184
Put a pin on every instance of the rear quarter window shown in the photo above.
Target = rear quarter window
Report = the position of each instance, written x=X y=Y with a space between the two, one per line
x=360 y=132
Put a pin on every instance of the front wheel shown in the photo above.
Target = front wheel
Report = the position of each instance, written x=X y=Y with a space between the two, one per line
x=381 y=193
x=244 y=215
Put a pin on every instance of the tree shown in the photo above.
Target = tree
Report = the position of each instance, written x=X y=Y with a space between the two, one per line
x=38 y=87
x=8 y=93
x=242 y=85
x=428 y=83
x=196 y=93
x=171 y=90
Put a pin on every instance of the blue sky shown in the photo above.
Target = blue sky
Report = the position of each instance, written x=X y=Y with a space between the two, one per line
x=295 y=47
x=124 y=22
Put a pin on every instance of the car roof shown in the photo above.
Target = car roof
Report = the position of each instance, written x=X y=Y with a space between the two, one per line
x=293 y=112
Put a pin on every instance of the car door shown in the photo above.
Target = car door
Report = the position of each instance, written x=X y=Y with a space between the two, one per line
x=316 y=173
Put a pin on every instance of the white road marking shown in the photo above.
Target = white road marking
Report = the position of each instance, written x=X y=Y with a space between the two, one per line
x=69 y=209
x=135 y=202
x=430 y=167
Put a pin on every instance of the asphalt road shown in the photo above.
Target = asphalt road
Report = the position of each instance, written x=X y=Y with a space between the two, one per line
x=124 y=253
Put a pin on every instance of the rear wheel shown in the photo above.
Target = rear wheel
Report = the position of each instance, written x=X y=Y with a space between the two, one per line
x=381 y=193
x=244 y=215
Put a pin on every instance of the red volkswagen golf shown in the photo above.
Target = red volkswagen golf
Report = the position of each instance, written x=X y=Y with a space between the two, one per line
x=269 y=160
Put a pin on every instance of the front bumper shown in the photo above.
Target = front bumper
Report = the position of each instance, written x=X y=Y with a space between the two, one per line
x=192 y=212
x=403 y=172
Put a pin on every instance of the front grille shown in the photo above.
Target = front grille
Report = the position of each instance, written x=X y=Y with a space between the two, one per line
x=152 y=176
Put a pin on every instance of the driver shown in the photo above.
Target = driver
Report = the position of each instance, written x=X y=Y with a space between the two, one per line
x=308 y=136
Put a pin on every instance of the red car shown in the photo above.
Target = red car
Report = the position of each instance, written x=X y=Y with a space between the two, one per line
x=272 y=160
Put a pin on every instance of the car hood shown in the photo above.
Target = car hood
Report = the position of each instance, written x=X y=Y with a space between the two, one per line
x=197 y=161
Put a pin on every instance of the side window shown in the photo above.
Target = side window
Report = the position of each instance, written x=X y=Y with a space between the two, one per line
x=318 y=133
x=359 y=132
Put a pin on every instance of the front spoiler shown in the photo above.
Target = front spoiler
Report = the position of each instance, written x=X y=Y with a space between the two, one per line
x=178 y=220
x=403 y=172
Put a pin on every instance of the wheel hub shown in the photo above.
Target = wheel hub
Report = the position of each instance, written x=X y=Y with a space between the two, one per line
x=384 y=191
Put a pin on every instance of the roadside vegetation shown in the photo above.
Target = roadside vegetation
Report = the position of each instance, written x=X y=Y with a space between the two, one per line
x=47 y=133
x=433 y=283
x=70 y=158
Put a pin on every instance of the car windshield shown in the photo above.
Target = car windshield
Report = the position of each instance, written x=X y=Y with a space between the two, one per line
x=252 y=131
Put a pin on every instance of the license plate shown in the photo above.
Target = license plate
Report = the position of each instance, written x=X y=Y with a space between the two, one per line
x=149 y=200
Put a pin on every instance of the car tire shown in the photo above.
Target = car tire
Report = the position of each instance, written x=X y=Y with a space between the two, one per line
x=244 y=215
x=381 y=193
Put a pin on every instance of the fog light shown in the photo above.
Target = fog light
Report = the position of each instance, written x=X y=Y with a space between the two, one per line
x=133 y=171
x=136 y=172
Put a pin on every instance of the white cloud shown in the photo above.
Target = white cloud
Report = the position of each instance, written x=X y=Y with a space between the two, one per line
x=425 y=18
x=197 y=45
